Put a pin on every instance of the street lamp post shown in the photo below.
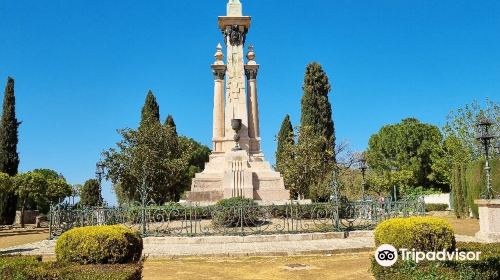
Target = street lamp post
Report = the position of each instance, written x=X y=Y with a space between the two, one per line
x=99 y=173
x=484 y=135
x=363 y=168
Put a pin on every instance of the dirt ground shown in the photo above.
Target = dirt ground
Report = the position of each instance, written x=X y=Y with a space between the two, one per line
x=460 y=226
x=342 y=266
x=18 y=236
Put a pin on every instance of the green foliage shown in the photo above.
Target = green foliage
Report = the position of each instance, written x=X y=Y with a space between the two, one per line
x=284 y=138
x=32 y=268
x=235 y=211
x=461 y=124
x=305 y=164
x=197 y=155
x=316 y=111
x=29 y=186
x=7 y=199
x=9 y=158
x=171 y=123
x=410 y=147
x=57 y=189
x=435 y=207
x=99 y=245
x=152 y=154
x=90 y=194
x=459 y=187
x=150 y=111
x=487 y=267
x=419 y=233
x=469 y=181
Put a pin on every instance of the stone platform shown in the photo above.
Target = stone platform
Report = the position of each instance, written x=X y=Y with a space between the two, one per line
x=236 y=174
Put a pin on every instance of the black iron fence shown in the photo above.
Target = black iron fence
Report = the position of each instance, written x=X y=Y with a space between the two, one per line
x=195 y=220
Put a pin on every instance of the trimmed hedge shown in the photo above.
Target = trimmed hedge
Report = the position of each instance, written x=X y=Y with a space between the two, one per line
x=32 y=268
x=468 y=181
x=99 y=245
x=487 y=268
x=419 y=233
x=436 y=207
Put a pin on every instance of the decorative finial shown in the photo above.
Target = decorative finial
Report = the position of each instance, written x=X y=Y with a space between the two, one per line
x=219 y=55
x=251 y=55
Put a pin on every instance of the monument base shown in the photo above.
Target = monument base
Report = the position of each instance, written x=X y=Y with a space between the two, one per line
x=236 y=174
x=489 y=217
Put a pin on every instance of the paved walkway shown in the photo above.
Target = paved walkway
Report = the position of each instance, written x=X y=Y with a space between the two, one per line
x=173 y=247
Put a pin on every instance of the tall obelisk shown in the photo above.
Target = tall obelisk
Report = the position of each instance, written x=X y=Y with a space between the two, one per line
x=236 y=172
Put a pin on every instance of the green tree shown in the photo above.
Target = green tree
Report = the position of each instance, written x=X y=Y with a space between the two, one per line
x=29 y=186
x=408 y=147
x=150 y=154
x=305 y=166
x=285 y=137
x=170 y=123
x=150 y=111
x=57 y=189
x=197 y=155
x=316 y=110
x=461 y=124
x=90 y=194
x=9 y=158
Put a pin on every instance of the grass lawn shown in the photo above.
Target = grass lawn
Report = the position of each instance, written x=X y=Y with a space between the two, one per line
x=341 y=266
x=18 y=236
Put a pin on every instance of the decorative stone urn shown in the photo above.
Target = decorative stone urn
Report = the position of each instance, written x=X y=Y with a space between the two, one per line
x=489 y=219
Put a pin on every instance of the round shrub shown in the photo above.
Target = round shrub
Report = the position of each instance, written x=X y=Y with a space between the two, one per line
x=235 y=212
x=99 y=244
x=419 y=233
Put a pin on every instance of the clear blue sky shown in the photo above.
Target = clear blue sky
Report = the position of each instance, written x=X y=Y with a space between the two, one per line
x=83 y=67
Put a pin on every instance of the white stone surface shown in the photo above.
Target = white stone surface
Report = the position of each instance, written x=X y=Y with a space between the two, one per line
x=489 y=219
x=236 y=173
x=441 y=198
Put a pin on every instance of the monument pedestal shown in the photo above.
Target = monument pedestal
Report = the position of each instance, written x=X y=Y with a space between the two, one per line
x=235 y=174
x=245 y=172
x=489 y=219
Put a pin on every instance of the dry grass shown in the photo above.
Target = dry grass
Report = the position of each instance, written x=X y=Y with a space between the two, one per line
x=17 y=236
x=460 y=226
x=342 y=266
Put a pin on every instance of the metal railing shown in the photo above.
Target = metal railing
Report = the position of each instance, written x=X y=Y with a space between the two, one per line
x=244 y=219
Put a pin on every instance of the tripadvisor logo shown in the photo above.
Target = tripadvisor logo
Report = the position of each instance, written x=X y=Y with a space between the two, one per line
x=386 y=255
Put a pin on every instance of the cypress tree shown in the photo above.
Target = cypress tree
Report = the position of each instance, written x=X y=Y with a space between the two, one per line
x=9 y=158
x=150 y=111
x=285 y=137
x=316 y=110
x=90 y=194
x=169 y=122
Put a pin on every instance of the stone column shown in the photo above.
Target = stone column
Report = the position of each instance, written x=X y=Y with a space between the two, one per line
x=251 y=70
x=219 y=71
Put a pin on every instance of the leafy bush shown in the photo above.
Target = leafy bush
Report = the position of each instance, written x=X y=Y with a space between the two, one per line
x=436 y=207
x=99 y=244
x=32 y=268
x=419 y=233
x=235 y=211
x=486 y=268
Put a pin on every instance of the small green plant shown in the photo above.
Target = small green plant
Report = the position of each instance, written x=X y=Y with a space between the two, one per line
x=100 y=245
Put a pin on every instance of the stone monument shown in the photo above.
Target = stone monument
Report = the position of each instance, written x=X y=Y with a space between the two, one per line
x=237 y=166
